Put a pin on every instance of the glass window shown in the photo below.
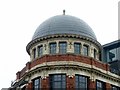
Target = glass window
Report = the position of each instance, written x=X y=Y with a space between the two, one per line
x=95 y=53
x=36 y=84
x=81 y=82
x=113 y=54
x=115 y=87
x=77 y=48
x=40 y=51
x=62 y=47
x=53 y=48
x=85 y=50
x=58 y=82
x=34 y=53
x=100 y=85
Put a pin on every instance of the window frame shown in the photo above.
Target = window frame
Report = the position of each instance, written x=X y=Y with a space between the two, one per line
x=34 y=53
x=38 y=83
x=54 y=48
x=103 y=85
x=87 y=49
x=40 y=50
x=95 y=53
x=78 y=82
x=63 y=50
x=113 y=51
x=115 y=87
x=78 y=51
x=54 y=79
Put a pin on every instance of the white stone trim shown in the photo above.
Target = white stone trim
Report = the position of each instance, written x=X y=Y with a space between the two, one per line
x=74 y=63
x=72 y=71
x=69 y=50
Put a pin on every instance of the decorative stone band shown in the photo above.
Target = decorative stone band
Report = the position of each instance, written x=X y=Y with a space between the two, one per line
x=59 y=36
x=67 y=62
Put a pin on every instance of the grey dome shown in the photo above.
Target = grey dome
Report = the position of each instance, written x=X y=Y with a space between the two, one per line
x=64 y=24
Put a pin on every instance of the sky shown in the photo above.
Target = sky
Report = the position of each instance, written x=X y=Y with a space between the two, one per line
x=20 y=18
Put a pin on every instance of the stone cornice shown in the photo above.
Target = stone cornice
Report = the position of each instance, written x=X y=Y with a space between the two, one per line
x=59 y=36
x=68 y=65
x=75 y=62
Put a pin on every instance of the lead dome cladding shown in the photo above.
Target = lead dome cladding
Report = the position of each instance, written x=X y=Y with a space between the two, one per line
x=64 y=24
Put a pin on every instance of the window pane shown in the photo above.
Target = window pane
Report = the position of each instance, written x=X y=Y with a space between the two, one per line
x=36 y=84
x=57 y=82
x=100 y=85
x=34 y=53
x=52 y=48
x=62 y=47
x=59 y=77
x=115 y=88
x=77 y=48
x=85 y=50
x=112 y=54
x=40 y=51
x=81 y=82
x=95 y=53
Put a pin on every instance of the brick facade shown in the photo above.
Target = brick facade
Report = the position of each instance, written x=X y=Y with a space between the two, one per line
x=70 y=80
x=92 y=85
x=43 y=62
x=108 y=86
x=45 y=83
x=29 y=86
x=70 y=84
x=67 y=57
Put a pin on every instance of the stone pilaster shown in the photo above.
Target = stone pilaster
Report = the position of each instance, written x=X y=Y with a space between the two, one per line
x=108 y=86
x=45 y=83
x=70 y=82
x=92 y=85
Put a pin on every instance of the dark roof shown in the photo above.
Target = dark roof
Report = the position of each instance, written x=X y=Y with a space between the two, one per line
x=112 y=45
x=64 y=24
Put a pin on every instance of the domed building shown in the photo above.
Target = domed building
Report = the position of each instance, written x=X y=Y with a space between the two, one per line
x=65 y=55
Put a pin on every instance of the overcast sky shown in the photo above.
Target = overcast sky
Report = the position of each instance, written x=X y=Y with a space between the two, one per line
x=20 y=18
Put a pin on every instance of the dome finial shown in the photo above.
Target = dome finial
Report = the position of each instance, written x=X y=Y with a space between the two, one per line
x=64 y=12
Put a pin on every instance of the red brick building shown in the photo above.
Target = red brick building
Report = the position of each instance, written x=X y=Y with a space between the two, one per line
x=65 y=54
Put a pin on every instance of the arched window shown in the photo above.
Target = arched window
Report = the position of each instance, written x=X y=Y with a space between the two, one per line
x=85 y=50
x=40 y=51
x=81 y=82
x=53 y=47
x=57 y=82
x=77 y=47
x=62 y=47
